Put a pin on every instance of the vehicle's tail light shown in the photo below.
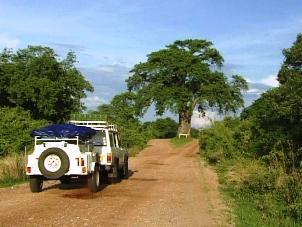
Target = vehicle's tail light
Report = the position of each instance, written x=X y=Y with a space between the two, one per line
x=109 y=157
x=82 y=162
x=28 y=169
x=84 y=169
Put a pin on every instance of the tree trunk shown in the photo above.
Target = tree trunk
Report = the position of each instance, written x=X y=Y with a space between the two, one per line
x=184 y=126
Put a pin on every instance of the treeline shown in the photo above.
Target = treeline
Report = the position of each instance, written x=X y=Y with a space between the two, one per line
x=36 y=88
x=259 y=154
x=39 y=88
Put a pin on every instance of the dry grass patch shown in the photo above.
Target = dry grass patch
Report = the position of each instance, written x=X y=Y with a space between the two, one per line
x=12 y=169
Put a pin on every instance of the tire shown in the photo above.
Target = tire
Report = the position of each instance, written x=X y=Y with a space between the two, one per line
x=104 y=177
x=53 y=163
x=125 y=168
x=35 y=184
x=94 y=180
x=116 y=170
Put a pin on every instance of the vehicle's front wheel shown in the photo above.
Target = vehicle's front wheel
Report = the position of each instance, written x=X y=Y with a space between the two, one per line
x=94 y=180
x=35 y=184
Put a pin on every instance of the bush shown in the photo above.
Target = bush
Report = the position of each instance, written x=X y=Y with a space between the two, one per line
x=219 y=142
x=162 y=128
x=263 y=191
x=16 y=125
x=260 y=179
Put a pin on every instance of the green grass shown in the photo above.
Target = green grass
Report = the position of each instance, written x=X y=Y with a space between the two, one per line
x=9 y=182
x=251 y=208
x=179 y=142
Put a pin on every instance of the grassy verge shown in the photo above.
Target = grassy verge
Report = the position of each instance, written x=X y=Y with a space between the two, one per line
x=179 y=142
x=12 y=170
x=247 y=187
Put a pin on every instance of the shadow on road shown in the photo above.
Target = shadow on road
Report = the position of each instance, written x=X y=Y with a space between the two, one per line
x=82 y=183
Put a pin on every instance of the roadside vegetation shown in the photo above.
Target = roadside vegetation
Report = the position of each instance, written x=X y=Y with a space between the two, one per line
x=37 y=87
x=16 y=125
x=12 y=170
x=259 y=155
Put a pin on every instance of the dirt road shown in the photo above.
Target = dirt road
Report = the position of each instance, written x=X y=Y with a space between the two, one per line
x=167 y=187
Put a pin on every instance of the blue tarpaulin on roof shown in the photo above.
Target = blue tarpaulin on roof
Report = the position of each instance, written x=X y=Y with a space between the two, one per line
x=65 y=131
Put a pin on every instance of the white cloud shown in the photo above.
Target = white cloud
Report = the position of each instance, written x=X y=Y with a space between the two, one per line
x=248 y=80
x=254 y=91
x=8 y=42
x=92 y=102
x=198 y=121
x=270 y=81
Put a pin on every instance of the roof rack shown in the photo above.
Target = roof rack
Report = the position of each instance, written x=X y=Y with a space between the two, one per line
x=97 y=125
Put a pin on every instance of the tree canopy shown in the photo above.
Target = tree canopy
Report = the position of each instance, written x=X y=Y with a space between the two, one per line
x=292 y=64
x=122 y=111
x=183 y=76
x=36 y=79
x=277 y=114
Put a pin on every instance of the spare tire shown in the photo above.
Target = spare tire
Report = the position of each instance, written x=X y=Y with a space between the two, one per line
x=53 y=163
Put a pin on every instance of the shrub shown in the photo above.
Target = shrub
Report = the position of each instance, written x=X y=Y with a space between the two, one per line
x=218 y=142
x=16 y=125
x=262 y=188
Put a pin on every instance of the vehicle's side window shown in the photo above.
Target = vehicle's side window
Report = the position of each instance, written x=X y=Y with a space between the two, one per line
x=117 y=141
x=112 y=140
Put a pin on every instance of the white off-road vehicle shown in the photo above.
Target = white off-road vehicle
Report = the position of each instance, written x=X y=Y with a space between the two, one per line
x=81 y=149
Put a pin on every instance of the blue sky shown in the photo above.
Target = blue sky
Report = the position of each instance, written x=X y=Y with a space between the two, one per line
x=109 y=37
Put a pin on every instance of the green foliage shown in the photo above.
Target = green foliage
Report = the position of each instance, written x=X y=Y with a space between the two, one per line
x=184 y=76
x=263 y=193
x=263 y=174
x=292 y=65
x=162 y=128
x=16 y=125
x=121 y=111
x=90 y=116
x=35 y=79
x=194 y=133
x=224 y=140
x=277 y=114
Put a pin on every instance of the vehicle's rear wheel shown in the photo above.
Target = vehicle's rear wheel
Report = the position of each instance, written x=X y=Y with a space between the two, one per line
x=116 y=170
x=94 y=180
x=104 y=177
x=35 y=184
x=53 y=163
x=125 y=168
